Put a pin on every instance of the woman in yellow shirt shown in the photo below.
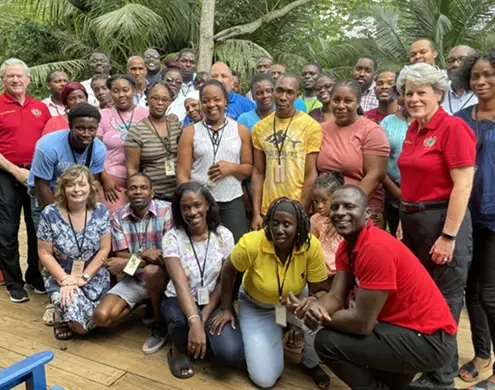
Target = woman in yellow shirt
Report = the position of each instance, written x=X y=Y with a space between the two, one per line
x=282 y=258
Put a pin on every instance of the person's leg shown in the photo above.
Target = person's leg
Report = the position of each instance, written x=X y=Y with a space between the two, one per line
x=480 y=334
x=226 y=348
x=262 y=339
x=33 y=273
x=10 y=212
x=391 y=217
x=388 y=358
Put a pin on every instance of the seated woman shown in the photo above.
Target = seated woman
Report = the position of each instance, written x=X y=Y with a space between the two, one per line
x=281 y=258
x=194 y=251
x=73 y=242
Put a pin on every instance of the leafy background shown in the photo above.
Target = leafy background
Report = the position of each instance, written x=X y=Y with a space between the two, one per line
x=54 y=34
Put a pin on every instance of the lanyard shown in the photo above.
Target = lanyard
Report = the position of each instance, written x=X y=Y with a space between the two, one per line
x=126 y=125
x=215 y=137
x=464 y=105
x=88 y=156
x=187 y=90
x=479 y=139
x=79 y=247
x=350 y=270
x=281 y=286
x=201 y=270
x=281 y=146
x=164 y=140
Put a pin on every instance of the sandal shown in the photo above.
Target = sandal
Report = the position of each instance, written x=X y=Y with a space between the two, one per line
x=48 y=316
x=295 y=340
x=178 y=364
x=471 y=372
x=483 y=385
x=320 y=378
x=61 y=330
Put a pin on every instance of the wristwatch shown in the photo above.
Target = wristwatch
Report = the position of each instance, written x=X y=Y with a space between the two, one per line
x=86 y=277
x=448 y=236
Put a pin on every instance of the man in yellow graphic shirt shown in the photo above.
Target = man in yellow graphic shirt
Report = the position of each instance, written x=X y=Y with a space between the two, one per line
x=286 y=144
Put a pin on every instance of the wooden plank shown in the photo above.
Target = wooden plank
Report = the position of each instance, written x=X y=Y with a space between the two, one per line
x=54 y=376
x=99 y=373
x=133 y=382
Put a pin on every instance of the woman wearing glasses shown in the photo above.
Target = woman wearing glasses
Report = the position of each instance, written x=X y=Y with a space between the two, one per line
x=173 y=78
x=151 y=144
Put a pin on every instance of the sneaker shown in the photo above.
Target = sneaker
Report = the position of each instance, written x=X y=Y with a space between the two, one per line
x=2 y=282
x=149 y=314
x=18 y=295
x=37 y=285
x=155 y=341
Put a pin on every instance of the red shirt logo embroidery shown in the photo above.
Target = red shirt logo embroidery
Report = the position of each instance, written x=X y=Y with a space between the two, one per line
x=36 y=112
x=429 y=142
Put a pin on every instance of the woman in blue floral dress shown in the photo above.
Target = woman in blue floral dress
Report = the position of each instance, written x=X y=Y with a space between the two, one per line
x=74 y=242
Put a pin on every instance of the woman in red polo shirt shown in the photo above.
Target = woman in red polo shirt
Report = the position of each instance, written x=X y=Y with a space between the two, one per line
x=436 y=168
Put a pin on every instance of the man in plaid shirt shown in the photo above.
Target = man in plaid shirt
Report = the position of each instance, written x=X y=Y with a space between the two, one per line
x=137 y=232
x=364 y=73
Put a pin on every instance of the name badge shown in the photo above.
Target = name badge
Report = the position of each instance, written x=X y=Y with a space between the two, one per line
x=280 y=315
x=132 y=265
x=210 y=183
x=352 y=304
x=169 y=168
x=203 y=296
x=77 y=268
x=279 y=173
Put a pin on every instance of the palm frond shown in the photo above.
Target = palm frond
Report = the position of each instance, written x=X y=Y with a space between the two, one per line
x=74 y=69
x=241 y=55
x=50 y=11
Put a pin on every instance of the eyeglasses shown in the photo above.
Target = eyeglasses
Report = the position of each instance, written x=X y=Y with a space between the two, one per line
x=172 y=81
x=156 y=99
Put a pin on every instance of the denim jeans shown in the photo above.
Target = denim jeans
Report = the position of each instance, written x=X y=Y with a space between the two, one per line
x=226 y=348
x=263 y=341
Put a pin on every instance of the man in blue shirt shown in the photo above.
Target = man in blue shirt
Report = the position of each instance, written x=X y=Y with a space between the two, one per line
x=57 y=151
x=238 y=104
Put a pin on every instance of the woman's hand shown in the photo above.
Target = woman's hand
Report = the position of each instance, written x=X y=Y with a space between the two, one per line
x=399 y=234
x=80 y=282
x=110 y=189
x=257 y=222
x=316 y=314
x=196 y=341
x=221 y=319
x=68 y=295
x=299 y=306
x=68 y=280
x=442 y=250
x=220 y=170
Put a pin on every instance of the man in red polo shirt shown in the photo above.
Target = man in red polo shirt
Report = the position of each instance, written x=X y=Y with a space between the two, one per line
x=22 y=120
x=398 y=323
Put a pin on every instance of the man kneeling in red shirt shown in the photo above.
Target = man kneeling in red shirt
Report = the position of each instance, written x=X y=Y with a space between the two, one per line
x=397 y=324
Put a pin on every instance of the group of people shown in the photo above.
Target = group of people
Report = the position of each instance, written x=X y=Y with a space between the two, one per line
x=348 y=218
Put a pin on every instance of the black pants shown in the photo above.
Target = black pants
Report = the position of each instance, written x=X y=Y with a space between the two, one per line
x=392 y=218
x=233 y=217
x=480 y=292
x=387 y=359
x=420 y=231
x=13 y=199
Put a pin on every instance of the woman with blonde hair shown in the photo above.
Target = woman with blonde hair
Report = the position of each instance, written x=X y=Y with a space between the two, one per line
x=73 y=243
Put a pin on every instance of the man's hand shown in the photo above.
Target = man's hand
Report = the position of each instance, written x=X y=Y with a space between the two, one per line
x=298 y=306
x=152 y=256
x=315 y=316
x=21 y=175
x=115 y=264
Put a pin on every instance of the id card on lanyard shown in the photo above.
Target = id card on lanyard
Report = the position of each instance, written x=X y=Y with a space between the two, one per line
x=203 y=294
x=78 y=264
x=280 y=309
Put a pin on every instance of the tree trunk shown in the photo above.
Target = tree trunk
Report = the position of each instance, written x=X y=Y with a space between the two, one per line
x=206 y=29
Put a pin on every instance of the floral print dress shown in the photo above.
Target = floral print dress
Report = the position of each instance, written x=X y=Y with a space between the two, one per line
x=55 y=229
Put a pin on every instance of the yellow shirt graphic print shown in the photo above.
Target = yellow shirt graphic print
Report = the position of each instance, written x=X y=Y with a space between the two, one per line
x=304 y=136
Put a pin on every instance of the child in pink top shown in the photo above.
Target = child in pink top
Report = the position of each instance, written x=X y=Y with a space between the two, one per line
x=321 y=227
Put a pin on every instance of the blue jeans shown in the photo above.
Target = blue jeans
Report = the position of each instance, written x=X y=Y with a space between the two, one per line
x=226 y=348
x=263 y=341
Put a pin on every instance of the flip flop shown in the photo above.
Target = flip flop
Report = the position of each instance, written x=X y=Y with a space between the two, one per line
x=483 y=385
x=61 y=330
x=179 y=363
x=470 y=369
x=48 y=316
x=320 y=378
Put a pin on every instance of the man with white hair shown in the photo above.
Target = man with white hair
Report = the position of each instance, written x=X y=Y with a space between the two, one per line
x=22 y=120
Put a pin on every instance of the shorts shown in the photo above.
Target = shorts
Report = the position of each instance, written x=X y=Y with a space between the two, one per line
x=130 y=291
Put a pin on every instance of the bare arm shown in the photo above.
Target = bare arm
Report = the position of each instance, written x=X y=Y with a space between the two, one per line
x=47 y=258
x=459 y=198
x=20 y=174
x=185 y=155
x=334 y=300
x=132 y=159
x=245 y=168
x=43 y=191
x=227 y=277
x=375 y=171
x=101 y=255
x=392 y=188
x=257 y=180
x=181 y=284
x=310 y=174
x=362 y=319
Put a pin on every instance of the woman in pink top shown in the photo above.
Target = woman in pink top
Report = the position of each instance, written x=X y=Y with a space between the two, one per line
x=71 y=94
x=355 y=146
x=112 y=130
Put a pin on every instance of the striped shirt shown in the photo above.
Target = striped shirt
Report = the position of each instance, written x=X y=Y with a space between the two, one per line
x=129 y=232
x=229 y=149
x=153 y=153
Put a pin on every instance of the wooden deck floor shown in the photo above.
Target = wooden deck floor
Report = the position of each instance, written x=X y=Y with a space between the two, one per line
x=112 y=358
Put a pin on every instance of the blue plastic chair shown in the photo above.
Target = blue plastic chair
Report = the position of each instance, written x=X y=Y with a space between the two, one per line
x=30 y=371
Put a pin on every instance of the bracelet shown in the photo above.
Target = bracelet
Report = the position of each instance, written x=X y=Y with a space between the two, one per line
x=448 y=236
x=194 y=315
